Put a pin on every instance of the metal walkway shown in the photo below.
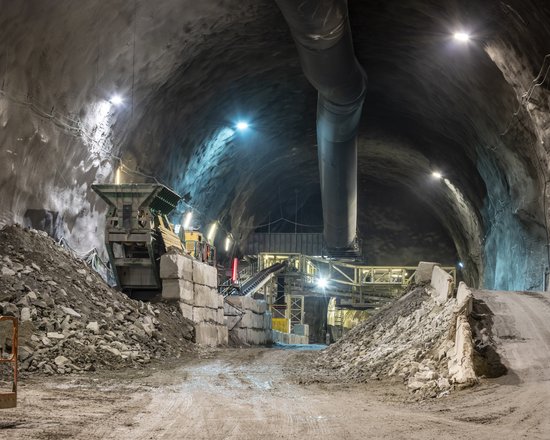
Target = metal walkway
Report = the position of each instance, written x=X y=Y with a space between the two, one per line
x=350 y=281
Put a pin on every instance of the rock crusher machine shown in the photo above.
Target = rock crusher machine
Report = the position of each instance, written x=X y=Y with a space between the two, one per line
x=137 y=233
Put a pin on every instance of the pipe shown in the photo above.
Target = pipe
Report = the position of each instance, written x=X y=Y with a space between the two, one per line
x=322 y=34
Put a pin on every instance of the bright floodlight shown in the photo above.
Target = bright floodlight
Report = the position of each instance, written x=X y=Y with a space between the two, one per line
x=437 y=175
x=241 y=125
x=463 y=37
x=212 y=232
x=227 y=243
x=461 y=264
x=322 y=283
x=187 y=220
x=116 y=100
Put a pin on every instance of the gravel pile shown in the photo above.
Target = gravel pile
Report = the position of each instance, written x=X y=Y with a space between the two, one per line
x=407 y=339
x=70 y=320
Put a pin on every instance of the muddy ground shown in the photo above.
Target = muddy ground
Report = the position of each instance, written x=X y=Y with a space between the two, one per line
x=256 y=393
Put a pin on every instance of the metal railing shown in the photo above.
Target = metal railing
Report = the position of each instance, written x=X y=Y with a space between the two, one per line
x=344 y=272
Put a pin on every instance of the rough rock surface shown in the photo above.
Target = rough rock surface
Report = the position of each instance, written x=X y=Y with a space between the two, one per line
x=70 y=320
x=188 y=70
x=408 y=339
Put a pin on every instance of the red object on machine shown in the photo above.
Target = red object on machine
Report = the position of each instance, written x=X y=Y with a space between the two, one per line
x=234 y=270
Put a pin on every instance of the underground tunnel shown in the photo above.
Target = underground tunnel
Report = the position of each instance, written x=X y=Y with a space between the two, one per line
x=297 y=142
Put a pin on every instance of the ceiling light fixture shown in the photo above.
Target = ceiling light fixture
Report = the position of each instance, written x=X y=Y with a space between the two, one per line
x=227 y=243
x=187 y=220
x=437 y=175
x=116 y=100
x=242 y=125
x=212 y=232
x=463 y=37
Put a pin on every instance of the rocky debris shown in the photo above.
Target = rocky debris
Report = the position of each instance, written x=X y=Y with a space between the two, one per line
x=70 y=320
x=411 y=339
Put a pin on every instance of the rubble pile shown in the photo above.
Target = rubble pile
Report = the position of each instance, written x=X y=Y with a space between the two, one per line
x=411 y=339
x=70 y=320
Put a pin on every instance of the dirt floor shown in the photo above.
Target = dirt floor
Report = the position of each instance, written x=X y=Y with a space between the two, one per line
x=253 y=394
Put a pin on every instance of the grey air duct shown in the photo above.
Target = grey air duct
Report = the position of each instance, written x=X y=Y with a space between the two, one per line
x=322 y=34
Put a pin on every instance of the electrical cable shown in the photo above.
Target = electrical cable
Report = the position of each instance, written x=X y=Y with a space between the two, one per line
x=527 y=95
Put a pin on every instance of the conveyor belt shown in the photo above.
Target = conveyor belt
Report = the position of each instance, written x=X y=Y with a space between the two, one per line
x=257 y=281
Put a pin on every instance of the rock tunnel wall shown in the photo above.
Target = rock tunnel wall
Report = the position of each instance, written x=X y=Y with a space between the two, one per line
x=189 y=70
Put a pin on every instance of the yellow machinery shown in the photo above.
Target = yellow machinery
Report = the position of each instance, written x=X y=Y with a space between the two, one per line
x=198 y=247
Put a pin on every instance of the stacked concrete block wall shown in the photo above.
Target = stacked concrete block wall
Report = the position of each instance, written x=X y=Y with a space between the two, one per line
x=194 y=285
x=248 y=320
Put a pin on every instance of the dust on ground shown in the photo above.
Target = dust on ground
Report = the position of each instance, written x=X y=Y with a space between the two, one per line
x=255 y=393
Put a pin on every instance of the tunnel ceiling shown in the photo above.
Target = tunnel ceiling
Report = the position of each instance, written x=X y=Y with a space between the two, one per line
x=187 y=71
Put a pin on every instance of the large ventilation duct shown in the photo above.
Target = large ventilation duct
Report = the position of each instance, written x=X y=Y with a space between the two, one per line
x=322 y=34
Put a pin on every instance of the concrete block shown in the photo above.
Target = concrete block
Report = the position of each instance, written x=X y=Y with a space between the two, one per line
x=221 y=301
x=233 y=301
x=205 y=296
x=186 y=311
x=424 y=272
x=267 y=320
x=256 y=337
x=262 y=306
x=247 y=303
x=240 y=302
x=204 y=314
x=252 y=320
x=464 y=299
x=246 y=321
x=240 y=334
x=176 y=289
x=206 y=334
x=205 y=275
x=175 y=266
x=301 y=329
x=223 y=335
x=442 y=284
x=298 y=339
x=461 y=362
x=268 y=336
x=220 y=316
x=256 y=305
